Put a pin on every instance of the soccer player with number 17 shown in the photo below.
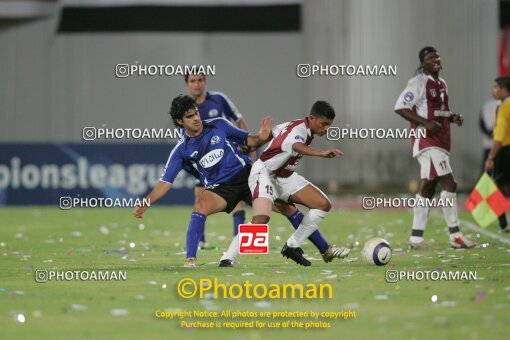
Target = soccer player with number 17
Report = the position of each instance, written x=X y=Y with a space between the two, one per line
x=424 y=103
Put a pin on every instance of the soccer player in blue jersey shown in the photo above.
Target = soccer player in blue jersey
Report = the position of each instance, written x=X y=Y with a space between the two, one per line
x=207 y=152
x=212 y=104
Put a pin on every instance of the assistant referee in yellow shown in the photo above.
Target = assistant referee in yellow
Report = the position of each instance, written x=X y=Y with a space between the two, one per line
x=498 y=160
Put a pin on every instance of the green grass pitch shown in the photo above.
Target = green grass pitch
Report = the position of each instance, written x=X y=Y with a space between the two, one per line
x=34 y=238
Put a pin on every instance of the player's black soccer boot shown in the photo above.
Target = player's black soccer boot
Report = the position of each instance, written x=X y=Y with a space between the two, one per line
x=226 y=263
x=296 y=255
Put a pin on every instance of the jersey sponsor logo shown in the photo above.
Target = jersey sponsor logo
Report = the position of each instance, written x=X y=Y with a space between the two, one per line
x=215 y=140
x=211 y=158
x=213 y=113
x=408 y=97
x=439 y=113
x=299 y=138
x=291 y=167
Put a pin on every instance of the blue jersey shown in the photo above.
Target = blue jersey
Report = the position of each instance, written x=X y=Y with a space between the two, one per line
x=212 y=156
x=217 y=104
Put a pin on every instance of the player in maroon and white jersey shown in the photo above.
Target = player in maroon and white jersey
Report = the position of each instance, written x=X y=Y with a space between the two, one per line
x=424 y=103
x=273 y=177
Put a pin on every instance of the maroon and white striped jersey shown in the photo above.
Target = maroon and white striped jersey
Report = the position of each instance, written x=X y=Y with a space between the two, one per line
x=428 y=98
x=278 y=156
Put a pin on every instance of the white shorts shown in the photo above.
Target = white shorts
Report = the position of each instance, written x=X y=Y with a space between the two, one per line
x=263 y=183
x=434 y=163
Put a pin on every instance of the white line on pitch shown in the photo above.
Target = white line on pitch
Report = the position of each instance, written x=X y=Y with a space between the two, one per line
x=473 y=227
x=485 y=232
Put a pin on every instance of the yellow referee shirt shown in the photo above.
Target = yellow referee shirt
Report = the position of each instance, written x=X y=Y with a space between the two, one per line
x=502 y=125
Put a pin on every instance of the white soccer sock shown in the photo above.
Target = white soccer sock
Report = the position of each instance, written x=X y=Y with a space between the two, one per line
x=309 y=224
x=420 y=217
x=232 y=251
x=450 y=213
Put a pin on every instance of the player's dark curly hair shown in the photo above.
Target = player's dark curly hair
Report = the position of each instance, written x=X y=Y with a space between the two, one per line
x=421 y=55
x=322 y=109
x=180 y=105
x=503 y=82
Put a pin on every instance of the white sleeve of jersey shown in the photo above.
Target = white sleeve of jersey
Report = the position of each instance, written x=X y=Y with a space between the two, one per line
x=298 y=134
x=411 y=94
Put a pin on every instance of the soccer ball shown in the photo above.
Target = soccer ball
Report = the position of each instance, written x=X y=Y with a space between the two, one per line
x=377 y=251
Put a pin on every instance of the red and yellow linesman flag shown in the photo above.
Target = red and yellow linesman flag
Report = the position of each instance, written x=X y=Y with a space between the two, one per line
x=486 y=202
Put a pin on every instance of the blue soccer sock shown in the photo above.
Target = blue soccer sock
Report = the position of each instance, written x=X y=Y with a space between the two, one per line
x=196 y=227
x=202 y=236
x=239 y=218
x=316 y=238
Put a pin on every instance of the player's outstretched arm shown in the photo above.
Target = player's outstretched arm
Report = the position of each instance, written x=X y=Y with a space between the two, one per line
x=241 y=123
x=159 y=191
x=263 y=136
x=412 y=117
x=308 y=151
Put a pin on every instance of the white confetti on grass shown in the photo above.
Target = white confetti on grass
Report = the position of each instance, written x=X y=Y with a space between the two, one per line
x=381 y=297
x=79 y=308
x=104 y=230
x=208 y=303
x=119 y=312
x=262 y=304
x=450 y=304
x=309 y=258
x=247 y=274
x=353 y=305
